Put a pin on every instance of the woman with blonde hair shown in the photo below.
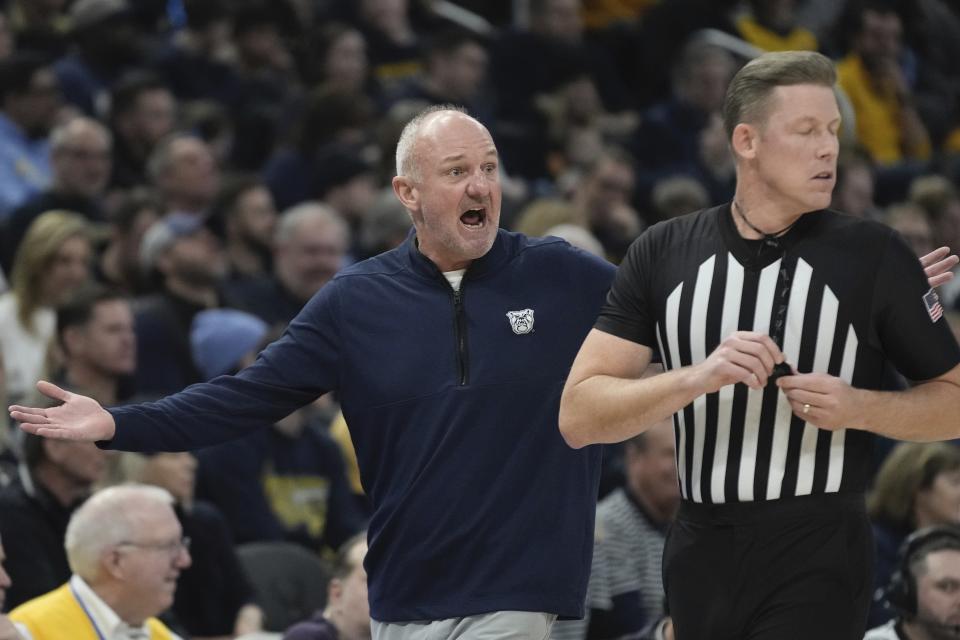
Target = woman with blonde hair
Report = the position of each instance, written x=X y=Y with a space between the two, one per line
x=917 y=486
x=51 y=262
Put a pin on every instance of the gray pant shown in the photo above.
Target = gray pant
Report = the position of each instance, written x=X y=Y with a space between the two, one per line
x=499 y=625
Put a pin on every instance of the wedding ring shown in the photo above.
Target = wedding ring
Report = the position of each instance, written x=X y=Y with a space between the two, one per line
x=806 y=407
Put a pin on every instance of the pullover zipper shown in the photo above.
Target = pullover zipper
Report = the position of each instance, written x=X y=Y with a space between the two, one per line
x=460 y=333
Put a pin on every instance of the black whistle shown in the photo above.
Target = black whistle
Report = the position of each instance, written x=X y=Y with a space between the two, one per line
x=779 y=370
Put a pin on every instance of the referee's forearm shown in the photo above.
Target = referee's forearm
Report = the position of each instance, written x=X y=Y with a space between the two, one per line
x=927 y=412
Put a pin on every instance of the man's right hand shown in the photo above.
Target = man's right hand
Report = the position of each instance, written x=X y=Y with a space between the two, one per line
x=77 y=418
x=744 y=356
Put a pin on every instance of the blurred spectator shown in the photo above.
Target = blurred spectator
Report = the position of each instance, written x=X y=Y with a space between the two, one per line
x=578 y=237
x=7 y=43
x=626 y=589
x=345 y=182
x=347 y=614
x=385 y=226
x=198 y=63
x=338 y=60
x=190 y=265
x=80 y=155
x=106 y=44
x=677 y=196
x=332 y=119
x=853 y=192
x=142 y=113
x=528 y=64
x=29 y=99
x=119 y=263
x=888 y=125
x=8 y=631
x=911 y=221
x=186 y=174
x=917 y=486
x=684 y=135
x=246 y=217
x=284 y=483
x=214 y=598
x=393 y=46
x=772 y=25
x=53 y=479
x=454 y=72
x=53 y=260
x=545 y=213
x=309 y=247
x=126 y=552
x=39 y=25
x=938 y=197
x=95 y=333
x=604 y=196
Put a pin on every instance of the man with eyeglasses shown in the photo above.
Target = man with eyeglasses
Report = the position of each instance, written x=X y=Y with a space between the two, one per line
x=126 y=551
x=775 y=319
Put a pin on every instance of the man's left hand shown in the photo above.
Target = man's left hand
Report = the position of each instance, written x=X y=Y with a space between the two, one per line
x=824 y=401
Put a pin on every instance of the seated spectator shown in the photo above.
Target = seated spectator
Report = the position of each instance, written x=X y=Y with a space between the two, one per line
x=338 y=60
x=245 y=218
x=190 y=265
x=917 y=486
x=911 y=222
x=454 y=72
x=309 y=247
x=106 y=44
x=185 y=172
x=142 y=113
x=853 y=193
x=392 y=44
x=53 y=480
x=625 y=592
x=29 y=99
x=80 y=154
x=119 y=263
x=922 y=593
x=126 y=551
x=52 y=261
x=39 y=26
x=346 y=182
x=938 y=197
x=684 y=135
x=8 y=629
x=283 y=483
x=214 y=598
x=888 y=124
x=604 y=196
x=347 y=614
x=677 y=196
x=772 y=25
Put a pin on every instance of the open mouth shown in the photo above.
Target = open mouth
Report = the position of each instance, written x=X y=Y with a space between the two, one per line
x=474 y=218
x=824 y=175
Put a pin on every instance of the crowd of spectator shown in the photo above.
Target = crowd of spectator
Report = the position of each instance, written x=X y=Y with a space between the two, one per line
x=177 y=178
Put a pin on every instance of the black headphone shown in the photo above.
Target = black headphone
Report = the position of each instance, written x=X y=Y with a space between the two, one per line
x=901 y=592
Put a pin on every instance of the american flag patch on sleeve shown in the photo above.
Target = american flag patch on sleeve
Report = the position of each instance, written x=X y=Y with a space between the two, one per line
x=932 y=302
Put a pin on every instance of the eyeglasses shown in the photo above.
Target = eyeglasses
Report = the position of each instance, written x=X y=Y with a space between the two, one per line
x=171 y=548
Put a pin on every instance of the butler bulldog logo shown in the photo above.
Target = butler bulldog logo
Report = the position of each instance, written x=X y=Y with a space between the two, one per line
x=521 y=321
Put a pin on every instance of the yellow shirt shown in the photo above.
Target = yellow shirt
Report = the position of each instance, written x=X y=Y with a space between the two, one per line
x=799 y=39
x=58 y=615
x=878 y=115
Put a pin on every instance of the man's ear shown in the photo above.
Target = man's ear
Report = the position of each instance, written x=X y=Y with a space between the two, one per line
x=406 y=192
x=744 y=141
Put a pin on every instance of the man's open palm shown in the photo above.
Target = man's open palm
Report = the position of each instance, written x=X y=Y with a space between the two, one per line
x=78 y=418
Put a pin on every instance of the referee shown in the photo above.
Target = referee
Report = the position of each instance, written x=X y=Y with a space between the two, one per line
x=774 y=318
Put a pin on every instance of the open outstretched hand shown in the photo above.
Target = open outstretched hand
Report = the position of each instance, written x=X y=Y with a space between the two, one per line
x=77 y=418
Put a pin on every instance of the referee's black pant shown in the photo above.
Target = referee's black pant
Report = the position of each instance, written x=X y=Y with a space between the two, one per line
x=799 y=568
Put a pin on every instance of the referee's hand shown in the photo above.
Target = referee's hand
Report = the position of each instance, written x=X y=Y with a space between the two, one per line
x=744 y=356
x=825 y=401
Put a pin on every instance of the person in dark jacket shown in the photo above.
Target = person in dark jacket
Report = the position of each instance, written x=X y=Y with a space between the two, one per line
x=448 y=354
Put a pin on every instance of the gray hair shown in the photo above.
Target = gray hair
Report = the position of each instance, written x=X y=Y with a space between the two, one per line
x=62 y=135
x=159 y=161
x=109 y=517
x=408 y=164
x=291 y=219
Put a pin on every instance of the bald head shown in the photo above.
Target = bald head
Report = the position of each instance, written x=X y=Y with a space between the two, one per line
x=422 y=126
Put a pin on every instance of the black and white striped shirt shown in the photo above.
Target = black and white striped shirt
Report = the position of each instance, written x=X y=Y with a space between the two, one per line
x=854 y=300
